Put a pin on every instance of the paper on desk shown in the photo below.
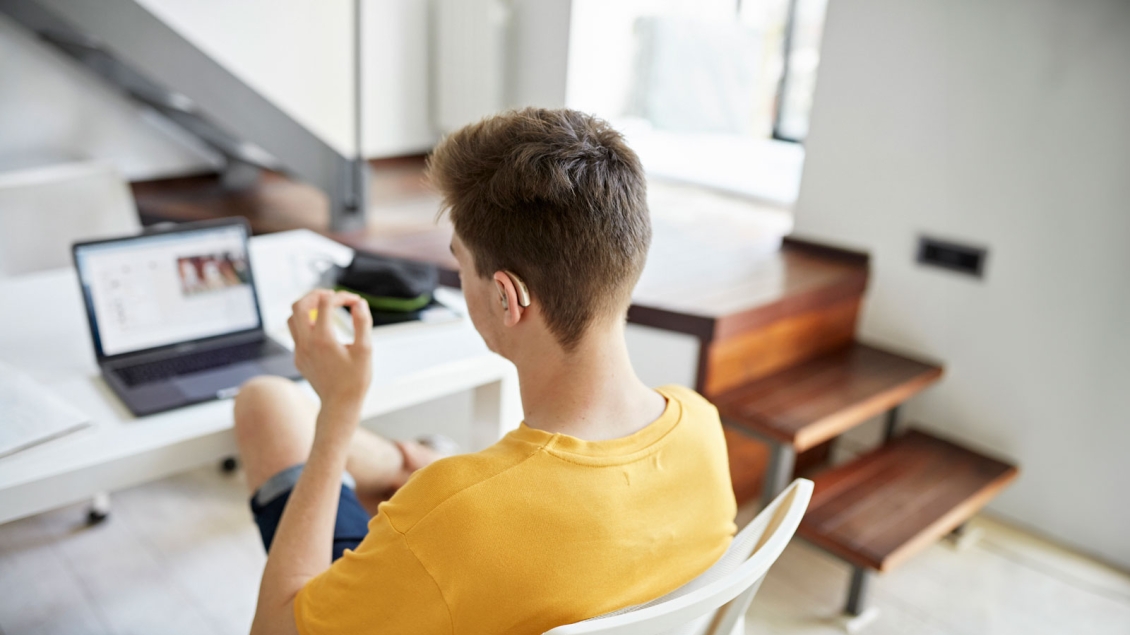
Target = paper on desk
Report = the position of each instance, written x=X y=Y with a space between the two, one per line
x=30 y=414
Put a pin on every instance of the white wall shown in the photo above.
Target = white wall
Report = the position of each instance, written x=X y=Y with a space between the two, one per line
x=538 y=52
x=396 y=73
x=661 y=357
x=52 y=110
x=495 y=55
x=300 y=56
x=1003 y=123
x=297 y=54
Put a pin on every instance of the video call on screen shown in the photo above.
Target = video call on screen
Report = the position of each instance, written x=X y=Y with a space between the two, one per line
x=169 y=289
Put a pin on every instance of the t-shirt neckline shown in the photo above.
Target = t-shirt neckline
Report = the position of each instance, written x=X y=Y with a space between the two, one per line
x=622 y=446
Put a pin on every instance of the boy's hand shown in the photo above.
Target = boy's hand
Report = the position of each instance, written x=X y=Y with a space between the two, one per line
x=340 y=373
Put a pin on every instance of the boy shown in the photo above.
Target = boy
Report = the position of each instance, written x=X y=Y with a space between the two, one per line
x=609 y=494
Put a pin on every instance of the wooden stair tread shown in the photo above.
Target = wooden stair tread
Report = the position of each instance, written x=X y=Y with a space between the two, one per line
x=717 y=294
x=887 y=505
x=815 y=401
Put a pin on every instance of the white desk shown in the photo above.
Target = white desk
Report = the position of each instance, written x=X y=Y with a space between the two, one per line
x=43 y=332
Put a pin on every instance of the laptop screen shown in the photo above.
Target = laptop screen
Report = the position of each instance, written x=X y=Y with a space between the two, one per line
x=151 y=291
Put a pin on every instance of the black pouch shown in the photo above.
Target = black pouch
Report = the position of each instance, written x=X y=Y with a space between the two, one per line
x=396 y=289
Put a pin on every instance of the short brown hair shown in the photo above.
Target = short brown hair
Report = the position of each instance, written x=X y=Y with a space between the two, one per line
x=557 y=197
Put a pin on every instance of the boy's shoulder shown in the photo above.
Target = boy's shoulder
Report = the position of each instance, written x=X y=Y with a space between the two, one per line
x=430 y=487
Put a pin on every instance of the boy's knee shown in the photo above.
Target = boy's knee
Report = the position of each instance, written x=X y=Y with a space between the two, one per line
x=271 y=427
x=264 y=385
x=256 y=398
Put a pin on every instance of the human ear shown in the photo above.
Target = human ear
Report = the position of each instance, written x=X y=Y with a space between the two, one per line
x=508 y=297
x=502 y=296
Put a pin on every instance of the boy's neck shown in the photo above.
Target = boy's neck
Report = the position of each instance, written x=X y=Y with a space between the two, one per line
x=591 y=393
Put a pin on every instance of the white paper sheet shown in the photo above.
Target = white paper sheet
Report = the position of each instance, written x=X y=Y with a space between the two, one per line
x=30 y=414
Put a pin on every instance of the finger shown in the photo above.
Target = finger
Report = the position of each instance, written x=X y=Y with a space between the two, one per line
x=301 y=322
x=346 y=298
x=308 y=302
x=290 y=326
x=299 y=330
x=323 y=325
x=362 y=320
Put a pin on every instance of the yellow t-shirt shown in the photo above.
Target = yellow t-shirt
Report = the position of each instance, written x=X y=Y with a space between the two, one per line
x=537 y=531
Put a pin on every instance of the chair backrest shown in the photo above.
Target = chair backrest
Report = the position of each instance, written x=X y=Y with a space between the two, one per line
x=715 y=601
x=44 y=210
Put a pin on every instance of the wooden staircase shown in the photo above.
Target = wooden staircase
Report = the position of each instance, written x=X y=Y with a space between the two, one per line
x=879 y=509
x=815 y=312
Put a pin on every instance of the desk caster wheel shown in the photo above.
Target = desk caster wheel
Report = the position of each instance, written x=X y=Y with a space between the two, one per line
x=229 y=465
x=99 y=509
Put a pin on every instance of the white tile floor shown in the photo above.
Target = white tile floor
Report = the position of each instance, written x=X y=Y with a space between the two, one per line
x=182 y=556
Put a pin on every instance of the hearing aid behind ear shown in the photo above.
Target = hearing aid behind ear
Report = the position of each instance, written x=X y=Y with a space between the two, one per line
x=520 y=287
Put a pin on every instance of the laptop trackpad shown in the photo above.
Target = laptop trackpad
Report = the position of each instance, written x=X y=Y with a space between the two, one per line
x=207 y=384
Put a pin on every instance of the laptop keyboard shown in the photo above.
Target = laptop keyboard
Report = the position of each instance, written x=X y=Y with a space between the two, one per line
x=190 y=363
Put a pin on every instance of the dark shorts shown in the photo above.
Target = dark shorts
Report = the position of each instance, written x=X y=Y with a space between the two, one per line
x=268 y=503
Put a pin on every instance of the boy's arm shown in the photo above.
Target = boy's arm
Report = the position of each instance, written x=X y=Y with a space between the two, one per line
x=301 y=546
x=340 y=375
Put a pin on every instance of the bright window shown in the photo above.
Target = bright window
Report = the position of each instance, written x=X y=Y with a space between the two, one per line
x=710 y=92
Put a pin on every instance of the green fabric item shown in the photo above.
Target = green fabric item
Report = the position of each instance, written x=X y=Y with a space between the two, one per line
x=396 y=305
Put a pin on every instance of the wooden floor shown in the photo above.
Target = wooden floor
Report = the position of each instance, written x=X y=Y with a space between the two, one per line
x=182 y=556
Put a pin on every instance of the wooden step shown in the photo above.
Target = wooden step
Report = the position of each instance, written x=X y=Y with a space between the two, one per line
x=887 y=505
x=813 y=402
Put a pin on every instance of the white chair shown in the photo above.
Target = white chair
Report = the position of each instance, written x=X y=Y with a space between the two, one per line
x=715 y=602
x=44 y=210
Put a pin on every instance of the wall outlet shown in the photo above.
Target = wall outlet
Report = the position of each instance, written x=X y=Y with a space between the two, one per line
x=957 y=257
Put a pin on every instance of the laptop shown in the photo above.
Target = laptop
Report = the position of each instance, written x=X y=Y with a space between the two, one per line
x=174 y=315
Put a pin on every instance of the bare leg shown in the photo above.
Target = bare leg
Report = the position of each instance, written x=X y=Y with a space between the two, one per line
x=274 y=429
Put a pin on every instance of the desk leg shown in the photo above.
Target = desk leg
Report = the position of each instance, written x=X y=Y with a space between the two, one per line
x=857 y=594
x=496 y=409
x=857 y=617
x=782 y=460
x=99 y=508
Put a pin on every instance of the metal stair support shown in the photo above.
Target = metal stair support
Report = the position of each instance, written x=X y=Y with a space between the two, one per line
x=129 y=47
